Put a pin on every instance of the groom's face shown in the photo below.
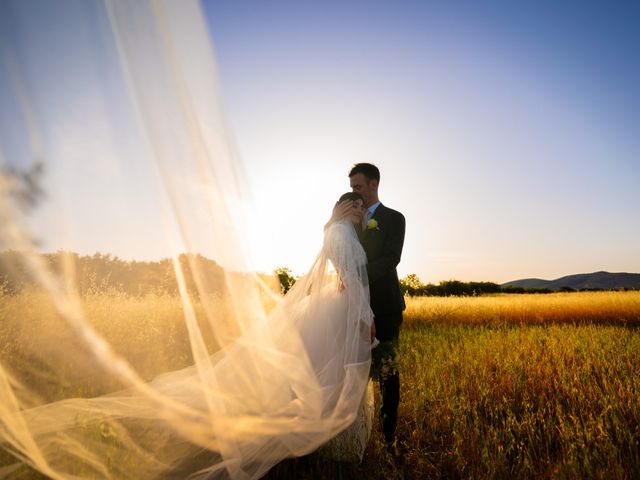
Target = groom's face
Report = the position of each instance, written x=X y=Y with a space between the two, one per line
x=365 y=187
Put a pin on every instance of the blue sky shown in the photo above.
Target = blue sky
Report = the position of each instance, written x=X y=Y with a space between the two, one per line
x=508 y=133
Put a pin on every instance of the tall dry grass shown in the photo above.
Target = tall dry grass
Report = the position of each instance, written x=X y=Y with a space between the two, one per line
x=148 y=332
x=555 y=401
x=579 y=308
x=511 y=386
x=506 y=386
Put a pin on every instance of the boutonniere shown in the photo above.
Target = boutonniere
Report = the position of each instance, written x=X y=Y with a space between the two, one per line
x=372 y=224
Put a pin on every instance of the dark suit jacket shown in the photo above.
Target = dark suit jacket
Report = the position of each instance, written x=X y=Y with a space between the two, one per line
x=383 y=246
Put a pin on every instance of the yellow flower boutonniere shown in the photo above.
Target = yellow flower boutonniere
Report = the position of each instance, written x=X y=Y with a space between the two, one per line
x=372 y=224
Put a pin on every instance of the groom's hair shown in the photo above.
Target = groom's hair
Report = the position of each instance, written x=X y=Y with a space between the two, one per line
x=367 y=169
x=350 y=196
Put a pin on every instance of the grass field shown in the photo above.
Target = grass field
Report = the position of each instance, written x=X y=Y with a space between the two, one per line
x=506 y=386
x=512 y=386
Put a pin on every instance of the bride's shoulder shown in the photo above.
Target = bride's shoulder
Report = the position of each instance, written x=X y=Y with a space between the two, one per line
x=340 y=229
x=339 y=233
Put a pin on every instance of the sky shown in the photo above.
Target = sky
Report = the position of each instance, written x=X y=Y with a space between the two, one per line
x=507 y=133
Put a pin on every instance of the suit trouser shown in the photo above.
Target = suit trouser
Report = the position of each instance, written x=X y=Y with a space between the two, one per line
x=384 y=368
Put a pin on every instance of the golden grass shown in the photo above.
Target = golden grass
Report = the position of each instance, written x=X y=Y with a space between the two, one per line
x=555 y=401
x=620 y=308
x=511 y=386
x=505 y=386
x=148 y=332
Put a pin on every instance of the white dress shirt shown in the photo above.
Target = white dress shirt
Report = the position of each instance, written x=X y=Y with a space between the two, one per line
x=371 y=210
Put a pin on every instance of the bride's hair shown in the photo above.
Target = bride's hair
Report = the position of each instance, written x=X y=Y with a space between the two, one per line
x=350 y=196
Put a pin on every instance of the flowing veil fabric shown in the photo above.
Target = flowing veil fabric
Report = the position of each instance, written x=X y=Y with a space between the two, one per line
x=112 y=136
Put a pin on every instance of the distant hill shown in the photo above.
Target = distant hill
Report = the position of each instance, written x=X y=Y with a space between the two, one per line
x=599 y=280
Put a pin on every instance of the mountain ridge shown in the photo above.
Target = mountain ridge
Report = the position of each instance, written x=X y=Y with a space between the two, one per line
x=596 y=280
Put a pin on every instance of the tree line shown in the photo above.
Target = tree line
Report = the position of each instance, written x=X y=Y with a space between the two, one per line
x=412 y=286
x=104 y=272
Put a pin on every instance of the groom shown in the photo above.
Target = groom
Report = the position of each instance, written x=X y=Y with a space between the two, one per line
x=382 y=238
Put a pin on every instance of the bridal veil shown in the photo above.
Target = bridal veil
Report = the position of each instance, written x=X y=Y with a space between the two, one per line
x=112 y=134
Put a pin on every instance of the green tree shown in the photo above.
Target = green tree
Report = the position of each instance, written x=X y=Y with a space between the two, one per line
x=285 y=277
x=411 y=285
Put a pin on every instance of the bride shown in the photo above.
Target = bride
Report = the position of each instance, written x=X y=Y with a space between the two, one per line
x=285 y=387
x=118 y=100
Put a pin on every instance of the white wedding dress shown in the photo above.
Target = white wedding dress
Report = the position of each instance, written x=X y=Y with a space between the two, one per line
x=296 y=382
x=324 y=333
x=112 y=109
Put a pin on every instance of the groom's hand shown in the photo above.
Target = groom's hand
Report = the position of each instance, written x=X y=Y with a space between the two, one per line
x=373 y=332
x=340 y=211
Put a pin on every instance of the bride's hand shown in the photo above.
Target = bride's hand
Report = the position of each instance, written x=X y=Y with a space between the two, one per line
x=340 y=211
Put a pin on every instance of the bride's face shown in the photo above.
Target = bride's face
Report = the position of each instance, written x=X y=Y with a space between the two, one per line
x=357 y=212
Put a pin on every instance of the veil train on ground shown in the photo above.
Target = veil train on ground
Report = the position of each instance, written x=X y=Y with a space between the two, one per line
x=113 y=139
